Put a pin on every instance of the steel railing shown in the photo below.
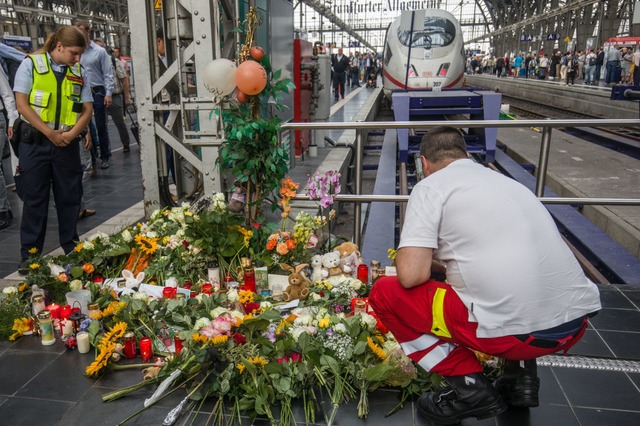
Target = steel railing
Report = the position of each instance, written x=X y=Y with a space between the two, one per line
x=547 y=125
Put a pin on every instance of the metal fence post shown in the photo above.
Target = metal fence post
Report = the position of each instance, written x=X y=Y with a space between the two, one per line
x=543 y=161
x=357 y=206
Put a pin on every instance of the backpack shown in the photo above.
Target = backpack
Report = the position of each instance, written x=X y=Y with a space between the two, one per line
x=574 y=63
x=592 y=60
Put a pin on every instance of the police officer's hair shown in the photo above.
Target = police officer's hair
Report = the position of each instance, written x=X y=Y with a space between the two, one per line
x=443 y=143
x=67 y=35
x=82 y=22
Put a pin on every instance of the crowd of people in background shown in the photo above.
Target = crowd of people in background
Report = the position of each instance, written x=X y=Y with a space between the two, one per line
x=354 y=70
x=616 y=65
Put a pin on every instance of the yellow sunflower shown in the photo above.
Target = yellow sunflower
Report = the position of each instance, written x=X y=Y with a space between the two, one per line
x=258 y=360
x=240 y=366
x=199 y=338
x=147 y=245
x=116 y=332
x=218 y=340
x=101 y=361
x=376 y=349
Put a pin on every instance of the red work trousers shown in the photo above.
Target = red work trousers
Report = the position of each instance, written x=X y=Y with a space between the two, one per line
x=417 y=324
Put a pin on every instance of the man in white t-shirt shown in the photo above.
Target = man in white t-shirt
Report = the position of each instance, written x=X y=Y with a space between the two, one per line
x=513 y=290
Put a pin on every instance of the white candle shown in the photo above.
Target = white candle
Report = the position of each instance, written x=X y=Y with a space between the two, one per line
x=82 y=338
x=67 y=327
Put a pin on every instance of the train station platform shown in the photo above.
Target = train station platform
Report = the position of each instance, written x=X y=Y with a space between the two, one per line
x=44 y=385
x=580 y=98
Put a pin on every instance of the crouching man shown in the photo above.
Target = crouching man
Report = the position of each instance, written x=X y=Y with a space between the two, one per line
x=513 y=289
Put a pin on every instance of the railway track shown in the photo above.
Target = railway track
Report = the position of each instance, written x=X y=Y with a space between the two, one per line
x=624 y=139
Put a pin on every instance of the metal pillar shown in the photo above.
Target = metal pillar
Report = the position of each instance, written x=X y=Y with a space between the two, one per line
x=191 y=40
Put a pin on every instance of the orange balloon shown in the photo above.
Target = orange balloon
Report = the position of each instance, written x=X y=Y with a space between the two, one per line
x=251 y=78
x=257 y=53
x=241 y=96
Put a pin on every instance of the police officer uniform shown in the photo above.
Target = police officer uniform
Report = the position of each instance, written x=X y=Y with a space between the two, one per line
x=57 y=94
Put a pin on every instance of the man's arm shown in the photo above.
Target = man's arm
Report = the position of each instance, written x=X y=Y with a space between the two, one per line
x=414 y=265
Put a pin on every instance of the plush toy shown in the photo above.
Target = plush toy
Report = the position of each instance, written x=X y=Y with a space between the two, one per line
x=331 y=266
x=298 y=284
x=237 y=200
x=131 y=283
x=316 y=268
x=349 y=258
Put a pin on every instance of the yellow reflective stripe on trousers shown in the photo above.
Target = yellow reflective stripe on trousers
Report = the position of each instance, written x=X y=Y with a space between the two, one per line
x=438 y=325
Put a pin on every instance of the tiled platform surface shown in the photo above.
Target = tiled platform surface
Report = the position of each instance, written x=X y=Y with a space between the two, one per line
x=44 y=385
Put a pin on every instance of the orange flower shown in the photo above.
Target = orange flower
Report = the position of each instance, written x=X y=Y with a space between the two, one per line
x=274 y=236
x=288 y=188
x=290 y=244
x=88 y=268
x=63 y=277
x=271 y=244
x=282 y=249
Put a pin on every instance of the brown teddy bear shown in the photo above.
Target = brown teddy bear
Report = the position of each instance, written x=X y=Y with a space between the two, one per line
x=349 y=258
x=298 y=284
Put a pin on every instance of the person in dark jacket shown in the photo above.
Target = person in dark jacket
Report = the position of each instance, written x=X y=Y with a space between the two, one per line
x=340 y=64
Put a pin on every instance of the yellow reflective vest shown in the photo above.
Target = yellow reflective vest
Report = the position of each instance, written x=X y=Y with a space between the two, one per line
x=58 y=103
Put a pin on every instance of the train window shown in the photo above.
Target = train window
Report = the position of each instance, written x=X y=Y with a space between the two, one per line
x=436 y=32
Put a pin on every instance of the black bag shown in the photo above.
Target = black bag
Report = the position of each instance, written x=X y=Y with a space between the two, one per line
x=592 y=61
x=135 y=129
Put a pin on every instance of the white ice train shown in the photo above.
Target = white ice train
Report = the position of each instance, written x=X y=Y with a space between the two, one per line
x=432 y=40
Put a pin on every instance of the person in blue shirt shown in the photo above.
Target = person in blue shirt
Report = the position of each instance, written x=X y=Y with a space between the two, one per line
x=55 y=105
x=97 y=63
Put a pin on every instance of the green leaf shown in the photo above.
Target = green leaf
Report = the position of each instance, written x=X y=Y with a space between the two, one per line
x=330 y=362
x=378 y=373
x=76 y=271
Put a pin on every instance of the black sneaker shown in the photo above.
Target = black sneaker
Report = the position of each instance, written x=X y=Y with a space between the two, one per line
x=520 y=391
x=471 y=395
x=125 y=149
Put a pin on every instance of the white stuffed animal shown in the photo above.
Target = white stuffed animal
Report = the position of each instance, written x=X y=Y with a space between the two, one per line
x=131 y=283
x=316 y=268
x=331 y=266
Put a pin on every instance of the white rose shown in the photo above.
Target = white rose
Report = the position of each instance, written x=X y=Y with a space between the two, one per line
x=75 y=285
x=202 y=322
x=232 y=295
x=340 y=328
x=9 y=290
x=152 y=234
x=315 y=297
x=355 y=284
x=297 y=331
x=368 y=321
x=88 y=245
x=180 y=234
x=126 y=236
x=219 y=311
x=305 y=319
x=264 y=305
x=141 y=295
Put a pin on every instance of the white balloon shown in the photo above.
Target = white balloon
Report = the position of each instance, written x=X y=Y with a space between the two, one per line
x=219 y=76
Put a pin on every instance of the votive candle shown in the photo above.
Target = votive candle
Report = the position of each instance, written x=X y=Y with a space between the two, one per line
x=65 y=311
x=146 y=351
x=82 y=339
x=55 y=311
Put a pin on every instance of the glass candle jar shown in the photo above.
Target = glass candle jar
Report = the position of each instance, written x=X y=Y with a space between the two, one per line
x=93 y=310
x=178 y=344
x=82 y=340
x=37 y=304
x=130 y=350
x=146 y=349
x=46 y=327
x=363 y=273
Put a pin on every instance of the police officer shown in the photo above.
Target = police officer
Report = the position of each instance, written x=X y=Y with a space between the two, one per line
x=55 y=106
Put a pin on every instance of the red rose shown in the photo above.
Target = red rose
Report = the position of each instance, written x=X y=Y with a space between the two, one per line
x=239 y=339
x=251 y=306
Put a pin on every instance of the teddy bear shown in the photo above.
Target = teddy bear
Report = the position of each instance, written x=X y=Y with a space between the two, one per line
x=237 y=201
x=349 y=258
x=316 y=268
x=331 y=266
x=298 y=287
x=131 y=283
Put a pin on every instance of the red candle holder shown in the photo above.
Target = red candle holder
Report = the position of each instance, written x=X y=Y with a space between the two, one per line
x=130 y=350
x=187 y=284
x=65 y=311
x=250 y=281
x=55 y=311
x=146 y=349
x=207 y=288
x=178 y=344
x=363 y=273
